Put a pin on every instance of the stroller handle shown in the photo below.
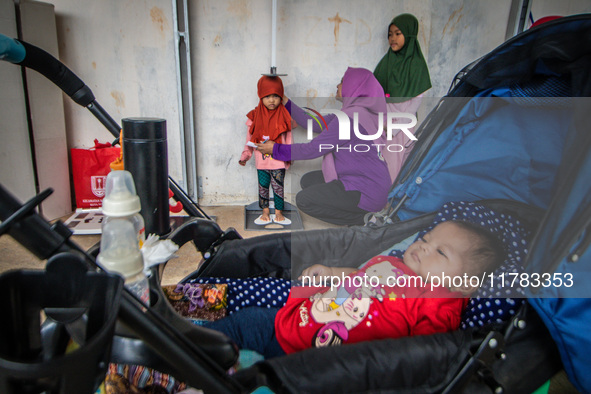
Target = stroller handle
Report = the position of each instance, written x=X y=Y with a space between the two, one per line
x=11 y=49
x=30 y=56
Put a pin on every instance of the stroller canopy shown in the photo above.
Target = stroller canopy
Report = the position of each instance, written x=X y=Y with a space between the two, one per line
x=505 y=126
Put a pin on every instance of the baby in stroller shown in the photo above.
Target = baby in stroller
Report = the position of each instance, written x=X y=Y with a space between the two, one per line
x=422 y=292
x=265 y=280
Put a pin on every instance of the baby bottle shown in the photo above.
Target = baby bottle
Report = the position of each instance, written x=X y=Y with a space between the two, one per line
x=120 y=254
x=122 y=201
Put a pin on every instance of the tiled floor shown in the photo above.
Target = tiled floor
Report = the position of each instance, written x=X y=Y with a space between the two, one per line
x=15 y=256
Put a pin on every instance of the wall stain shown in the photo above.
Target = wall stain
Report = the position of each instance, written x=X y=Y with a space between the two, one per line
x=358 y=32
x=311 y=94
x=453 y=19
x=217 y=40
x=93 y=65
x=337 y=26
x=240 y=9
x=283 y=17
x=205 y=7
x=159 y=18
x=310 y=36
x=119 y=98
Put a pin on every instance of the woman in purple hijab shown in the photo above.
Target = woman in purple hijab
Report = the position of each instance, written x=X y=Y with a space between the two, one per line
x=354 y=179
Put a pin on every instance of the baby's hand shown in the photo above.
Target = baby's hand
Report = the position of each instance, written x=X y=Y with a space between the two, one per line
x=316 y=270
x=242 y=162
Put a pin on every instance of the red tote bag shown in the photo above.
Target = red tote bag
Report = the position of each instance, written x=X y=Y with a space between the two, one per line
x=90 y=168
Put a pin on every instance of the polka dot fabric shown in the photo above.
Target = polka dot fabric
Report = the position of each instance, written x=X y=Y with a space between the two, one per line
x=262 y=292
x=493 y=302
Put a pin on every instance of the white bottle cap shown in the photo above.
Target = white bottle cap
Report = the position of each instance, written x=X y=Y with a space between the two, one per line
x=120 y=198
x=119 y=251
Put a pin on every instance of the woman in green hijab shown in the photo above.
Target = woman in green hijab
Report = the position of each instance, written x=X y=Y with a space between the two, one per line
x=404 y=75
x=403 y=72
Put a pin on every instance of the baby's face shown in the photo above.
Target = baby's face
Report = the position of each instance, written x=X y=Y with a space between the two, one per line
x=271 y=101
x=441 y=250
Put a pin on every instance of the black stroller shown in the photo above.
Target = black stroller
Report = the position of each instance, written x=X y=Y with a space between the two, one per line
x=517 y=354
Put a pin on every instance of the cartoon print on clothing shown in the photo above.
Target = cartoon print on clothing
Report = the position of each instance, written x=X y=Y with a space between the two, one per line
x=342 y=309
x=405 y=307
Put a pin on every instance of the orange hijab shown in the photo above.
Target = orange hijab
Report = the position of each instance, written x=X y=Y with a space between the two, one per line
x=269 y=123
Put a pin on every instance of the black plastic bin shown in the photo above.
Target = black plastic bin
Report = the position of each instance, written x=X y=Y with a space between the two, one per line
x=45 y=312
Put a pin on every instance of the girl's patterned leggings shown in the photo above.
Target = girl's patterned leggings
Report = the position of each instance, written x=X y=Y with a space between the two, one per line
x=274 y=178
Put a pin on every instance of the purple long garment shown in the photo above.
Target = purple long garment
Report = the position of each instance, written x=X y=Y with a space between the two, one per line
x=357 y=170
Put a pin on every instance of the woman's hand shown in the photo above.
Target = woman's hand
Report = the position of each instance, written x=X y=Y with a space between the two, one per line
x=266 y=148
x=285 y=100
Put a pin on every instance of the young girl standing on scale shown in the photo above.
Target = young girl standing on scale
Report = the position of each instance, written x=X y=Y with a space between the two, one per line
x=270 y=120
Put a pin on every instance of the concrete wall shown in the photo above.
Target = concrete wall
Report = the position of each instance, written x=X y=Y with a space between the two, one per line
x=16 y=161
x=124 y=50
x=46 y=108
x=316 y=42
x=542 y=8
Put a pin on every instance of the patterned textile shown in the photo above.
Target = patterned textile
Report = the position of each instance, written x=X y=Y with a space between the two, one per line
x=242 y=293
x=136 y=379
x=275 y=179
x=198 y=301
